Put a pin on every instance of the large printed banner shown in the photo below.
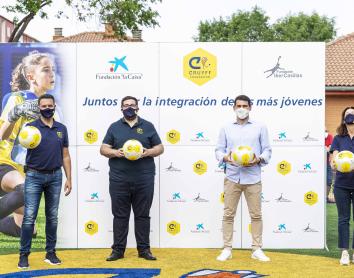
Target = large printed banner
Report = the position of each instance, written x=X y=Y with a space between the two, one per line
x=187 y=91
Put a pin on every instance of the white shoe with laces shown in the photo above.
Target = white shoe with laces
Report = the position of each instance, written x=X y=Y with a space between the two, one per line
x=225 y=255
x=344 y=260
x=259 y=255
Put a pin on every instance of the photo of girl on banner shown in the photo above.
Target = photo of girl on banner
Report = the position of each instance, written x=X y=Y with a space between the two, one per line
x=33 y=75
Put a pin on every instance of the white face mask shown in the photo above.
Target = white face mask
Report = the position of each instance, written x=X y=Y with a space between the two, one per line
x=326 y=134
x=242 y=113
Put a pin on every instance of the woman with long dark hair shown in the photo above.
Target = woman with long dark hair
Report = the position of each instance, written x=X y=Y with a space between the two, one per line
x=344 y=182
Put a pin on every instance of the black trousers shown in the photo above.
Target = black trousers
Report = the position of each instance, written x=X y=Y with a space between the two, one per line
x=124 y=196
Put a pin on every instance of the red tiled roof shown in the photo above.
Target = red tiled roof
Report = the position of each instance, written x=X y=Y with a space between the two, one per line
x=26 y=38
x=340 y=62
x=94 y=37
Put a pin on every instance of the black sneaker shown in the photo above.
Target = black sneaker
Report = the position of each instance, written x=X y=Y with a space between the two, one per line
x=23 y=261
x=52 y=258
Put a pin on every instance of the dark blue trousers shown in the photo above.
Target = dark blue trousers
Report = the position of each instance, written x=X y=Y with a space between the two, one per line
x=345 y=203
x=124 y=196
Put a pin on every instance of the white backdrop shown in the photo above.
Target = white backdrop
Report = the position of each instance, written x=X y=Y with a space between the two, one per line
x=290 y=102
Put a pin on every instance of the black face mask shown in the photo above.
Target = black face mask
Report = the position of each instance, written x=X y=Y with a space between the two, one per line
x=130 y=113
x=349 y=119
x=47 y=113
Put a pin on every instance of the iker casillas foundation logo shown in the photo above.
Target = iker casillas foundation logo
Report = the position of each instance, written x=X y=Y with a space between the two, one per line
x=118 y=70
x=279 y=72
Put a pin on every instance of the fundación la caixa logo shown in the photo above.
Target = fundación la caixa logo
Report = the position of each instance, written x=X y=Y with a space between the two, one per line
x=279 y=71
x=199 y=66
x=117 y=69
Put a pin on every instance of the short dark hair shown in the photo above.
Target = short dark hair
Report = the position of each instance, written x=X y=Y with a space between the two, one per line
x=244 y=98
x=129 y=97
x=46 y=96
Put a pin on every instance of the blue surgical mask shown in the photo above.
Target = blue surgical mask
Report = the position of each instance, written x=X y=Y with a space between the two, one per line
x=130 y=113
x=349 y=119
x=47 y=113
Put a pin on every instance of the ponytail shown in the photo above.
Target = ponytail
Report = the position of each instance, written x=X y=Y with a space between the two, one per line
x=19 y=81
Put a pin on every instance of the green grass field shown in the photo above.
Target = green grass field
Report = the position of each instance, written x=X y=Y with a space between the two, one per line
x=9 y=245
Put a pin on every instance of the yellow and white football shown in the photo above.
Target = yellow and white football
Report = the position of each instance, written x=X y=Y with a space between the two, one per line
x=242 y=155
x=132 y=149
x=29 y=137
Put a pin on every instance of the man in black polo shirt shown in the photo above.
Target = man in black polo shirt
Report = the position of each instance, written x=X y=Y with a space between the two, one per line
x=43 y=174
x=131 y=183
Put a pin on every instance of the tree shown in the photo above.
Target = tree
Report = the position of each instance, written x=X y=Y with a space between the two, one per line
x=303 y=27
x=254 y=26
x=242 y=26
x=123 y=15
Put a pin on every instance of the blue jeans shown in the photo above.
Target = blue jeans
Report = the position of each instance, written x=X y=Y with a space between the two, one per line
x=345 y=202
x=35 y=184
x=329 y=174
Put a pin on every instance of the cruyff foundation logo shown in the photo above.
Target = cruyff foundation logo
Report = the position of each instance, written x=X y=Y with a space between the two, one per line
x=199 y=66
x=173 y=136
x=118 y=70
x=91 y=136
x=91 y=227
x=222 y=197
x=173 y=227
x=215 y=273
x=310 y=198
x=200 y=167
x=279 y=72
x=284 y=167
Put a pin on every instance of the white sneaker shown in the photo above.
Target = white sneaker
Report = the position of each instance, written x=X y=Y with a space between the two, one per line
x=259 y=255
x=344 y=260
x=225 y=255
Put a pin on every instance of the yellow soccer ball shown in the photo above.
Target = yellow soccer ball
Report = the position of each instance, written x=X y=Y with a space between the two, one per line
x=29 y=137
x=344 y=161
x=242 y=155
x=132 y=149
